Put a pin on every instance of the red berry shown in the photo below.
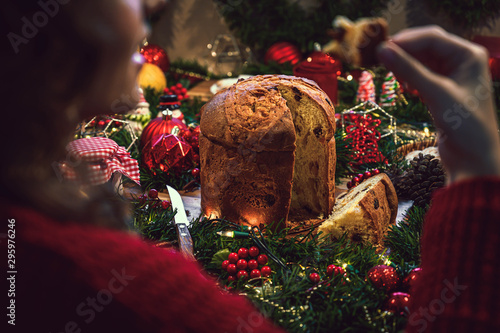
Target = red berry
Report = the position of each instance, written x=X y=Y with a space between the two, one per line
x=233 y=257
x=262 y=259
x=142 y=199
x=153 y=194
x=179 y=85
x=225 y=263
x=165 y=204
x=231 y=278
x=231 y=268
x=266 y=271
x=253 y=264
x=355 y=180
x=242 y=275
x=255 y=273
x=375 y=171
x=360 y=176
x=241 y=264
x=349 y=184
x=314 y=277
x=253 y=251
x=184 y=91
x=367 y=174
x=243 y=252
x=334 y=270
x=195 y=172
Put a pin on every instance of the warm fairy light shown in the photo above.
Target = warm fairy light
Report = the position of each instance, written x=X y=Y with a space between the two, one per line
x=309 y=59
x=226 y=233
x=349 y=77
x=426 y=131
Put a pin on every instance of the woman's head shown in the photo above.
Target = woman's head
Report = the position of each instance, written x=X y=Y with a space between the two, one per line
x=65 y=61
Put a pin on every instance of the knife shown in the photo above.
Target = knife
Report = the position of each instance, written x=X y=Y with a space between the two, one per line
x=181 y=222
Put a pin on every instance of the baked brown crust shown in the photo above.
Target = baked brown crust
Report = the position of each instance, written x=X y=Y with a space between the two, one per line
x=248 y=149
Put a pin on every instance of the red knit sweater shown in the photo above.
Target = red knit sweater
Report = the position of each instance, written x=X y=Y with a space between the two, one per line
x=459 y=290
x=76 y=278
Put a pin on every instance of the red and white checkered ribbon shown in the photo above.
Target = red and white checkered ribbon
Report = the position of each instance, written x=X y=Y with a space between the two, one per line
x=101 y=158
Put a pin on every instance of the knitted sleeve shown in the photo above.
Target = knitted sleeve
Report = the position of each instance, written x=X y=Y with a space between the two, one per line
x=459 y=287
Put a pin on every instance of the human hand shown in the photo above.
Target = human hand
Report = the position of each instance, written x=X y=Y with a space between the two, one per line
x=453 y=79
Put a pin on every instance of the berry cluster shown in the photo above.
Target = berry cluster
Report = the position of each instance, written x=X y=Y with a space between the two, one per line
x=245 y=264
x=153 y=201
x=331 y=271
x=360 y=177
x=178 y=90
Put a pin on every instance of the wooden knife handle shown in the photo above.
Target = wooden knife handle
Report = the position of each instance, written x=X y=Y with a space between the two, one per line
x=185 y=241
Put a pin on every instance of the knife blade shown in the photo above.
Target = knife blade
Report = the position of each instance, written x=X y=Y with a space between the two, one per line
x=181 y=222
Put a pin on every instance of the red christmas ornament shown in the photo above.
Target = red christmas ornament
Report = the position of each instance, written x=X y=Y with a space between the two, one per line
x=156 y=55
x=242 y=275
x=253 y=251
x=398 y=303
x=167 y=153
x=165 y=204
x=266 y=271
x=160 y=125
x=253 y=264
x=383 y=277
x=231 y=269
x=153 y=194
x=333 y=270
x=283 y=52
x=241 y=264
x=412 y=277
x=262 y=259
x=243 y=252
x=255 y=273
x=365 y=137
x=233 y=257
x=314 y=277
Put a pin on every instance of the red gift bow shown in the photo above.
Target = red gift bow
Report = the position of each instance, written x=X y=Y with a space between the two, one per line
x=100 y=158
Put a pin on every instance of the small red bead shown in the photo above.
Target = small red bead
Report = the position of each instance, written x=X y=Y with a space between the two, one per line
x=360 y=176
x=355 y=180
x=231 y=278
x=165 y=204
x=242 y=264
x=233 y=257
x=262 y=259
x=253 y=264
x=314 y=277
x=255 y=273
x=225 y=263
x=367 y=174
x=349 y=184
x=195 y=172
x=231 y=269
x=330 y=269
x=242 y=275
x=266 y=271
x=179 y=85
x=153 y=194
x=375 y=171
x=253 y=251
x=243 y=252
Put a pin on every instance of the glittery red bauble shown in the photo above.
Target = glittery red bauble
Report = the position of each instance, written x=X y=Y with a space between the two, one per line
x=156 y=55
x=283 y=52
x=383 y=277
x=160 y=125
x=412 y=277
x=398 y=303
x=167 y=153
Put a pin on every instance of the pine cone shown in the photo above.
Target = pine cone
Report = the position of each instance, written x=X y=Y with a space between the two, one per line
x=425 y=175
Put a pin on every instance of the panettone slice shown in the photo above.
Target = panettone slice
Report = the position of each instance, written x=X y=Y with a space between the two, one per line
x=364 y=212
